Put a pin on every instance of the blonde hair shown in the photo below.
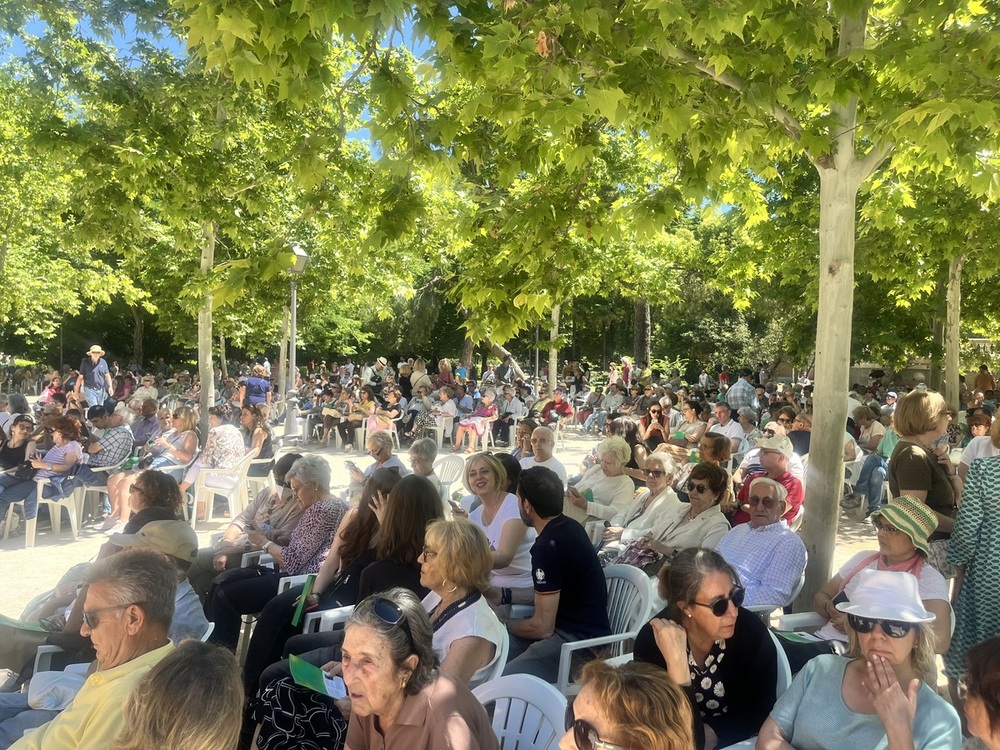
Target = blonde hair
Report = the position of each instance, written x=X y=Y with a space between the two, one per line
x=191 y=700
x=188 y=419
x=463 y=551
x=649 y=709
x=616 y=446
x=495 y=465
x=922 y=656
x=918 y=412
x=379 y=439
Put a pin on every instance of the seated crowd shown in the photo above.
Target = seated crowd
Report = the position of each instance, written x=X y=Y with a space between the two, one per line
x=424 y=592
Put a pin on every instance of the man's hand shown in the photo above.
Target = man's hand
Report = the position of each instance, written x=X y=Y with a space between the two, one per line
x=257 y=538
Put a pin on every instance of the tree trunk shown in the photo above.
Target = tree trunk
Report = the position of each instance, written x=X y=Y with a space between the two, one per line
x=554 y=349
x=205 y=369
x=222 y=357
x=138 y=327
x=641 y=343
x=283 y=356
x=468 y=349
x=953 y=336
x=935 y=375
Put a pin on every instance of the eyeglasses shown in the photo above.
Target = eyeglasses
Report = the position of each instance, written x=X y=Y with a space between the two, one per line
x=91 y=619
x=720 y=604
x=392 y=614
x=769 y=503
x=699 y=488
x=654 y=411
x=429 y=553
x=768 y=433
x=653 y=472
x=881 y=525
x=585 y=734
x=892 y=628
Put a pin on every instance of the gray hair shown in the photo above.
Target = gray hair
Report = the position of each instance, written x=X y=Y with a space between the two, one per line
x=139 y=576
x=779 y=489
x=425 y=449
x=617 y=448
x=412 y=636
x=681 y=579
x=748 y=414
x=380 y=438
x=664 y=460
x=18 y=404
x=311 y=469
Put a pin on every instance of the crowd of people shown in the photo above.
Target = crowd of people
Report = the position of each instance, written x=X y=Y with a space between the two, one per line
x=700 y=486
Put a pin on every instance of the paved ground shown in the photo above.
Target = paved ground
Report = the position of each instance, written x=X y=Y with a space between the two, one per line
x=30 y=571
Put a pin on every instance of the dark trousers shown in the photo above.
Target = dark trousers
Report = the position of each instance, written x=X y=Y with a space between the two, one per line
x=238 y=592
x=346 y=430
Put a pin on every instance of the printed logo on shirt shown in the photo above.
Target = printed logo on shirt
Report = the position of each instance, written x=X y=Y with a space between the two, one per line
x=539 y=575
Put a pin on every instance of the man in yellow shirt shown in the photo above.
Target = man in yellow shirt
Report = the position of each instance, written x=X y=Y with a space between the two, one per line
x=128 y=609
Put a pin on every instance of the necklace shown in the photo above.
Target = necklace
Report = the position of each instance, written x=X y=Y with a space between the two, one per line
x=454 y=608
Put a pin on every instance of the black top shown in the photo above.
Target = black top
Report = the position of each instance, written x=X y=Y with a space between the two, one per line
x=747 y=670
x=800 y=441
x=564 y=560
x=385 y=574
x=147 y=515
x=11 y=457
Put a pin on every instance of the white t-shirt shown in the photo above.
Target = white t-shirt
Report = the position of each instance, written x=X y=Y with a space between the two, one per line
x=518 y=573
x=478 y=620
x=732 y=430
x=978 y=447
x=553 y=463
x=751 y=459
x=930 y=584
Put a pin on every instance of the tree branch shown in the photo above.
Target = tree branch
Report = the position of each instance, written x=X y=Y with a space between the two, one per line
x=782 y=116
x=873 y=160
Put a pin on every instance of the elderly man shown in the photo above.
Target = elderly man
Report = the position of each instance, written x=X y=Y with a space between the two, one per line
x=511 y=410
x=569 y=591
x=724 y=424
x=543 y=441
x=147 y=427
x=94 y=383
x=128 y=610
x=775 y=459
x=147 y=389
x=557 y=409
x=769 y=556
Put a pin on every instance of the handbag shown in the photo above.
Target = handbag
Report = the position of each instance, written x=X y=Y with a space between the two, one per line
x=647 y=560
x=25 y=471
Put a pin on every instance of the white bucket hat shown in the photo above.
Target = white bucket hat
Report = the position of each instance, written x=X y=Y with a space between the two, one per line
x=887 y=595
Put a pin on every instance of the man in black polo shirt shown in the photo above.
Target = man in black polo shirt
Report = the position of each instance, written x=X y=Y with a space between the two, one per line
x=569 y=592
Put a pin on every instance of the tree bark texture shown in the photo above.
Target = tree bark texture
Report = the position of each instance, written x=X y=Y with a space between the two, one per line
x=641 y=343
x=205 y=368
x=468 y=349
x=138 y=328
x=953 y=335
x=554 y=349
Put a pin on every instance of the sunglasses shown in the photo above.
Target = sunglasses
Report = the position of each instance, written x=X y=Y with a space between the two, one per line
x=720 y=605
x=654 y=411
x=892 y=628
x=392 y=614
x=653 y=472
x=176 y=415
x=585 y=734
x=769 y=503
x=699 y=488
x=768 y=433
x=91 y=619
x=881 y=525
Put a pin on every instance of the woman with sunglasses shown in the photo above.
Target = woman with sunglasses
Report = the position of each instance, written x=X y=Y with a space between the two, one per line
x=718 y=652
x=876 y=696
x=903 y=527
x=627 y=708
x=652 y=429
x=647 y=509
x=979 y=690
x=175 y=447
x=16 y=449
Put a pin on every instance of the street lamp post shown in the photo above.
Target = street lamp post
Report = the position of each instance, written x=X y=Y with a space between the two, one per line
x=291 y=397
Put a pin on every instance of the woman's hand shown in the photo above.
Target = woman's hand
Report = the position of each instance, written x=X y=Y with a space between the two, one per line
x=612 y=533
x=894 y=709
x=38 y=463
x=219 y=563
x=357 y=476
x=256 y=537
x=671 y=640
x=378 y=505
x=576 y=498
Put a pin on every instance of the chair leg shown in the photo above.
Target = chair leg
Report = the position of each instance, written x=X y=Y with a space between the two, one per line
x=30 y=527
x=10 y=520
x=73 y=523
x=55 y=516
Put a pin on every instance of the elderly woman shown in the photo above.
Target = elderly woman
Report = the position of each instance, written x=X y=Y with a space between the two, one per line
x=273 y=512
x=455 y=565
x=245 y=590
x=224 y=448
x=421 y=455
x=434 y=415
x=634 y=706
x=698 y=523
x=647 y=509
x=714 y=448
x=379 y=447
x=979 y=426
x=55 y=467
x=16 y=449
x=498 y=515
x=175 y=447
x=720 y=653
x=605 y=490
x=256 y=389
x=922 y=469
x=876 y=696
x=903 y=527
x=522 y=439
x=747 y=418
x=475 y=425
x=981 y=685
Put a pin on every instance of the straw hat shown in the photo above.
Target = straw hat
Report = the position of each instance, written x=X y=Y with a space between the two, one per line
x=912 y=517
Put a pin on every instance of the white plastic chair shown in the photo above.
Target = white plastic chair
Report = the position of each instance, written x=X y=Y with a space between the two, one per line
x=528 y=713
x=496 y=671
x=444 y=426
x=630 y=595
x=764 y=610
x=55 y=513
x=449 y=469
x=232 y=483
x=256 y=484
x=82 y=492
x=330 y=618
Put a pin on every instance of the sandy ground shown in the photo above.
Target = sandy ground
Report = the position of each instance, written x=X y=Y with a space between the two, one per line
x=29 y=572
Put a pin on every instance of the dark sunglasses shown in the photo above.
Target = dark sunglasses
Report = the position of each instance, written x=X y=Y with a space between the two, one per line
x=584 y=733
x=720 y=605
x=91 y=619
x=699 y=488
x=892 y=628
x=654 y=411
x=768 y=433
x=392 y=614
x=653 y=472
x=768 y=502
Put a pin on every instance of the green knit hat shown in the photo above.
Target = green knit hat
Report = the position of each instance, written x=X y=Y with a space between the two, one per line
x=912 y=517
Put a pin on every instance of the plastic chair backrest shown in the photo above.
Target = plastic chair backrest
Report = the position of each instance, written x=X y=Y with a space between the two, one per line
x=449 y=469
x=498 y=666
x=630 y=596
x=208 y=632
x=784 y=669
x=528 y=714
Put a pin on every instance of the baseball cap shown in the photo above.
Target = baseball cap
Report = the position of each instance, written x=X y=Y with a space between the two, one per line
x=175 y=538
x=778 y=443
